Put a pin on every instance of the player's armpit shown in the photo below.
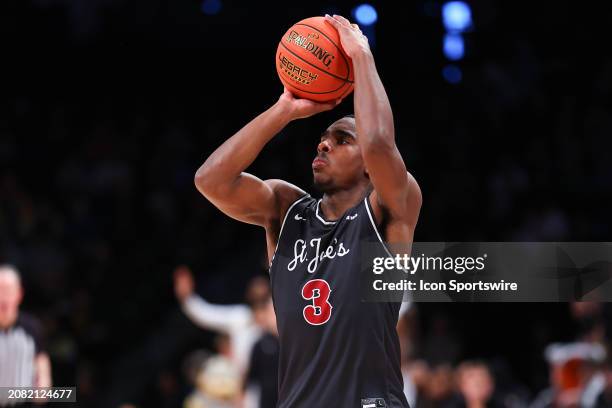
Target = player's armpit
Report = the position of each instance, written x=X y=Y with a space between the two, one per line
x=399 y=209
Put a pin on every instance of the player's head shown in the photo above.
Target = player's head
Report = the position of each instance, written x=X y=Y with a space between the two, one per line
x=338 y=164
x=11 y=294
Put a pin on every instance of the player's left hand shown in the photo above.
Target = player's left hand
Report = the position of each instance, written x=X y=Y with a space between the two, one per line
x=352 y=39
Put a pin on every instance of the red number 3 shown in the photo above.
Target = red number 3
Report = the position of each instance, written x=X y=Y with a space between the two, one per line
x=318 y=291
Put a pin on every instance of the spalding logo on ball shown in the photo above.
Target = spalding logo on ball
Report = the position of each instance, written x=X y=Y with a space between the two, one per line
x=311 y=63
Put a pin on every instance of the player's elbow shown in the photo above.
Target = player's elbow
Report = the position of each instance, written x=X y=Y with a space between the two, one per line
x=211 y=183
x=414 y=198
x=204 y=180
x=200 y=180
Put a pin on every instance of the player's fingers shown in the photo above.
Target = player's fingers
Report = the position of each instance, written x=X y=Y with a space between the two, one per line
x=339 y=24
x=328 y=106
x=356 y=26
x=342 y=20
x=335 y=23
x=325 y=106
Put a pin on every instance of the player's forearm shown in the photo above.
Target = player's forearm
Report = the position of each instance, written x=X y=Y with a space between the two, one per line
x=237 y=153
x=373 y=115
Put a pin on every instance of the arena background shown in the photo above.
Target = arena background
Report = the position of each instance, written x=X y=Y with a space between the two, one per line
x=109 y=106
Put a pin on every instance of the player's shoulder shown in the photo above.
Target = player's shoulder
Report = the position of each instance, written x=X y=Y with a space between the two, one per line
x=283 y=186
x=285 y=192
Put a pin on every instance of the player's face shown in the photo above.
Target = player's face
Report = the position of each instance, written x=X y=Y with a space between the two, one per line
x=338 y=164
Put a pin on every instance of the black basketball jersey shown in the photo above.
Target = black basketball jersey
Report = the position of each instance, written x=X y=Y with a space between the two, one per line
x=335 y=350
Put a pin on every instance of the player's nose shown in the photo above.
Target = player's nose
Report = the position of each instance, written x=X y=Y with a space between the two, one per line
x=324 y=146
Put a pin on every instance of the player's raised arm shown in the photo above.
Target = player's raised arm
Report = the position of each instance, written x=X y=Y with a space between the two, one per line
x=222 y=180
x=394 y=188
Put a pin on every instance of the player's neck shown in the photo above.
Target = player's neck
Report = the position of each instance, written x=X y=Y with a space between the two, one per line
x=333 y=205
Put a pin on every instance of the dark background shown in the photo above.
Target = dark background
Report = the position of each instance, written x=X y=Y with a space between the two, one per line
x=108 y=107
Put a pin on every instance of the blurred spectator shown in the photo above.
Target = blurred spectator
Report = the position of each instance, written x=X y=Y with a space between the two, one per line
x=476 y=386
x=416 y=376
x=438 y=389
x=589 y=321
x=263 y=367
x=601 y=394
x=237 y=321
x=217 y=385
x=572 y=368
x=244 y=326
x=23 y=358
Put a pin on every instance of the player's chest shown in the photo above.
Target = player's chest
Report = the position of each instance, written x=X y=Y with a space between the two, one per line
x=311 y=250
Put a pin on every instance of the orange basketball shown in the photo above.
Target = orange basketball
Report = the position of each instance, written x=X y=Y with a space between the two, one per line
x=311 y=63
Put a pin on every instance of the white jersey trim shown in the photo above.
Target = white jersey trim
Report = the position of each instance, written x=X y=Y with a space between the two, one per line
x=283 y=226
x=367 y=205
x=321 y=218
x=404 y=302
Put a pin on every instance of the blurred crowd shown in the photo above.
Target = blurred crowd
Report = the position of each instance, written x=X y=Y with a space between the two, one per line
x=578 y=369
x=97 y=204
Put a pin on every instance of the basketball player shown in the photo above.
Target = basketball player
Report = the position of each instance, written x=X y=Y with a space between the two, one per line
x=335 y=351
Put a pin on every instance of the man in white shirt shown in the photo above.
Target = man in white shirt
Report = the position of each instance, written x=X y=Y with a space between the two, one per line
x=243 y=323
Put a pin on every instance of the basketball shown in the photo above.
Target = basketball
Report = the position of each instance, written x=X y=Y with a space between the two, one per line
x=311 y=63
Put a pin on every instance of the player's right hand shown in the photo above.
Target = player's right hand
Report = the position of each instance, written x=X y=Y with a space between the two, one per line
x=183 y=283
x=303 y=108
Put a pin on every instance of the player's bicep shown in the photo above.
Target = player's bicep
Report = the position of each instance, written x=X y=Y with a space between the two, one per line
x=248 y=199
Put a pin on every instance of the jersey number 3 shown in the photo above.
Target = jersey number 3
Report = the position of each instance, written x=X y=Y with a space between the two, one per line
x=319 y=311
